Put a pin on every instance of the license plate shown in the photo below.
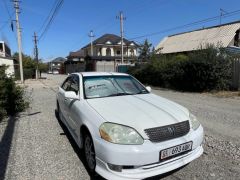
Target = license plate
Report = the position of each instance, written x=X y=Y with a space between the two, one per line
x=173 y=151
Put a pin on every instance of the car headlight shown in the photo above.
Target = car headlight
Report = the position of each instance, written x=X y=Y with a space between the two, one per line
x=194 y=122
x=119 y=134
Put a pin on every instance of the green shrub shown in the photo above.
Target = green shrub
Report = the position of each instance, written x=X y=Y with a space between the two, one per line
x=28 y=73
x=203 y=70
x=11 y=96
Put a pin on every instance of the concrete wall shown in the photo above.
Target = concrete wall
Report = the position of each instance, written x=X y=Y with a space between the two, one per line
x=10 y=66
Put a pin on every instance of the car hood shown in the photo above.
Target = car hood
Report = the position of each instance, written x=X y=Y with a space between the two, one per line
x=140 y=112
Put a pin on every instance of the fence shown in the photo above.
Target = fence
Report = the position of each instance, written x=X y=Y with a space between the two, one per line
x=123 y=68
x=236 y=74
x=105 y=66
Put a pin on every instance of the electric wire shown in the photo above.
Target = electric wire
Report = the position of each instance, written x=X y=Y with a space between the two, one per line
x=51 y=18
x=48 y=17
x=10 y=16
x=187 y=25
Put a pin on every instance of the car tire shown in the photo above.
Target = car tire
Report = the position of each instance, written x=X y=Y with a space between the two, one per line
x=89 y=152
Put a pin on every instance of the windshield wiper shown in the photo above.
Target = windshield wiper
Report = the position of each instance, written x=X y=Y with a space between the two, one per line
x=119 y=94
x=142 y=92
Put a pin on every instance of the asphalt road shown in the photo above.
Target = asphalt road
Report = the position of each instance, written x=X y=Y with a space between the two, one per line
x=35 y=146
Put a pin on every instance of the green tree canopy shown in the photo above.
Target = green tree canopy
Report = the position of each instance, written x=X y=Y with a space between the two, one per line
x=145 y=51
x=28 y=62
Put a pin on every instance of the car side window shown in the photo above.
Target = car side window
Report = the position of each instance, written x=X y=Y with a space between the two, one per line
x=67 y=84
x=75 y=84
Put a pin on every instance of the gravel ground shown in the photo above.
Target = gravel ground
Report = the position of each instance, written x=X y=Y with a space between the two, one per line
x=221 y=120
x=39 y=148
x=35 y=146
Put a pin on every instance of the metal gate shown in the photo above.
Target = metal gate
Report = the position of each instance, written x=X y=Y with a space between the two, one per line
x=236 y=74
x=105 y=66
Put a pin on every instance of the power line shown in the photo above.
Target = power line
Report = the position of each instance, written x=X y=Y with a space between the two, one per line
x=6 y=7
x=222 y=12
x=9 y=16
x=56 y=9
x=48 y=17
x=108 y=23
x=188 y=25
x=51 y=18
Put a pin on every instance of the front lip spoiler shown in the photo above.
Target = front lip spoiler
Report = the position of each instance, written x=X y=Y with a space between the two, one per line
x=150 y=171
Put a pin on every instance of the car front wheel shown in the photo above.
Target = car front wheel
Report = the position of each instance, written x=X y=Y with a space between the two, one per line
x=89 y=152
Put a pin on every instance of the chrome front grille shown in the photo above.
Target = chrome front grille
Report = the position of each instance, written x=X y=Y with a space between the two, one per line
x=168 y=132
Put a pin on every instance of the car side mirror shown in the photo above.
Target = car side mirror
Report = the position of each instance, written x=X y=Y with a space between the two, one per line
x=71 y=95
x=149 y=88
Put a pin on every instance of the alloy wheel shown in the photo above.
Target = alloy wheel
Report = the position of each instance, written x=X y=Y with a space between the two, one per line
x=89 y=153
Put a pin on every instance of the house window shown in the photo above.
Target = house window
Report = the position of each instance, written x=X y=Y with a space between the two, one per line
x=236 y=39
x=108 y=52
x=132 y=52
x=118 y=52
x=7 y=50
x=1 y=47
x=100 y=51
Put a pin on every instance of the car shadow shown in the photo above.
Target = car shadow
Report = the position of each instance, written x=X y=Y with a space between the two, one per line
x=76 y=149
x=6 y=144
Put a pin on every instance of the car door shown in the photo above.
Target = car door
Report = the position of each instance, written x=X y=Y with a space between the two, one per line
x=61 y=96
x=71 y=105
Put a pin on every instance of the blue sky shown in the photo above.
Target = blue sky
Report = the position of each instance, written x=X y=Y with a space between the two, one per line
x=77 y=17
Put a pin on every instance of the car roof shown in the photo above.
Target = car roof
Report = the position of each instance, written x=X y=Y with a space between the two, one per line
x=87 y=74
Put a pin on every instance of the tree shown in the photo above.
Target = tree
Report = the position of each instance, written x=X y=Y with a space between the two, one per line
x=43 y=67
x=29 y=66
x=28 y=62
x=145 y=51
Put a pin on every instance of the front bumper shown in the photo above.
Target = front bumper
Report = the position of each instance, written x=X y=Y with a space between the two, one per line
x=145 y=157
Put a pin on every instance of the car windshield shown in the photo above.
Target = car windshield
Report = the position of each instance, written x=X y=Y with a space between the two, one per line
x=107 y=86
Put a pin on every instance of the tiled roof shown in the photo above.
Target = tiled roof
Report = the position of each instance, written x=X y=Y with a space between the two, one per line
x=59 y=59
x=79 y=53
x=190 y=41
x=112 y=38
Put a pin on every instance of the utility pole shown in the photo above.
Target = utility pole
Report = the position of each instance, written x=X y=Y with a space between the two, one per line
x=16 y=6
x=36 y=53
x=122 y=18
x=91 y=38
x=222 y=12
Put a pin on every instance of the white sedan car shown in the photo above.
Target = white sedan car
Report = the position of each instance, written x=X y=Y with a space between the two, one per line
x=126 y=131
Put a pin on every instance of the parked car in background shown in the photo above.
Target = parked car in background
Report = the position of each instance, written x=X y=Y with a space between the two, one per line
x=126 y=131
x=50 y=72
x=55 y=72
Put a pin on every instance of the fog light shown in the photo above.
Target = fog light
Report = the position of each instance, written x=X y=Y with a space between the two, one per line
x=115 y=167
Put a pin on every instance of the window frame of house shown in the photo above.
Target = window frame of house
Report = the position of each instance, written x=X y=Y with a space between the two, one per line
x=100 y=51
x=108 y=51
x=237 y=38
x=119 y=52
x=131 y=52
